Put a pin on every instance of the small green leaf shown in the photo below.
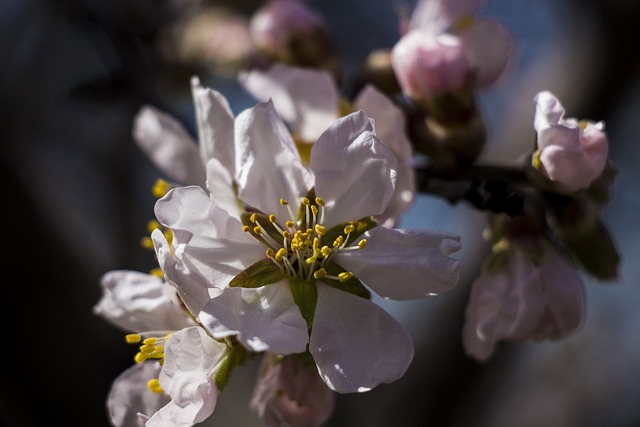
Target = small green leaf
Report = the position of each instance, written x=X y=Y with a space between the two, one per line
x=261 y=273
x=353 y=286
x=305 y=295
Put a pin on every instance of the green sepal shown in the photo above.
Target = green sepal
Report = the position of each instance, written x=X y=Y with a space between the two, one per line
x=261 y=273
x=582 y=231
x=265 y=224
x=236 y=356
x=361 y=226
x=353 y=286
x=305 y=295
x=598 y=191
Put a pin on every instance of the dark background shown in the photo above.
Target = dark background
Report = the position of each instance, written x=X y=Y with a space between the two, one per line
x=76 y=199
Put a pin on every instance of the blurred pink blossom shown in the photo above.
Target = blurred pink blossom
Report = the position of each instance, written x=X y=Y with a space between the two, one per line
x=288 y=391
x=525 y=298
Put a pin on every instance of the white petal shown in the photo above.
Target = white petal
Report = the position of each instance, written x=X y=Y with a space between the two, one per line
x=549 y=111
x=138 y=302
x=215 y=125
x=268 y=165
x=355 y=343
x=220 y=186
x=355 y=172
x=190 y=356
x=305 y=98
x=390 y=122
x=209 y=245
x=130 y=396
x=404 y=264
x=169 y=146
x=264 y=318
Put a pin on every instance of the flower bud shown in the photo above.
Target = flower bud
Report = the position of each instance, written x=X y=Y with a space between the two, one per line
x=427 y=65
x=289 y=31
x=290 y=391
x=570 y=152
x=527 y=294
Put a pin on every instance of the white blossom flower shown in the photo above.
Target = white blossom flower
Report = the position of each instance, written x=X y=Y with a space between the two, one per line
x=309 y=102
x=277 y=272
x=181 y=390
x=570 y=152
x=524 y=298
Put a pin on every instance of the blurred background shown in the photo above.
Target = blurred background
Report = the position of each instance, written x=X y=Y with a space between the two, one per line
x=74 y=73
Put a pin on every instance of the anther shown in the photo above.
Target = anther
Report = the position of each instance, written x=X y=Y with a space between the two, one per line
x=320 y=273
x=339 y=240
x=306 y=201
x=246 y=228
x=270 y=253
x=320 y=229
x=349 y=228
x=290 y=224
x=280 y=254
x=139 y=357
x=160 y=188
x=314 y=210
x=286 y=234
x=154 y=385
x=344 y=276
x=253 y=217
x=325 y=251
x=257 y=229
x=150 y=341
x=272 y=218
x=133 y=338
x=283 y=202
x=362 y=243
x=320 y=201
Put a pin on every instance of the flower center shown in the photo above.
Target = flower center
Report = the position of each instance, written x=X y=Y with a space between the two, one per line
x=302 y=248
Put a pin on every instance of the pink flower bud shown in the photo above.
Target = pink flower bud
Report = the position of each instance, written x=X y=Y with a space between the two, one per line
x=427 y=64
x=525 y=298
x=570 y=152
x=273 y=25
x=291 y=392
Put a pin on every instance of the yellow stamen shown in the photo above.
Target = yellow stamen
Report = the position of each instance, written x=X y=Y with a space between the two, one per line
x=320 y=273
x=349 y=228
x=280 y=254
x=152 y=225
x=362 y=243
x=146 y=242
x=139 y=357
x=283 y=202
x=154 y=385
x=306 y=201
x=339 y=240
x=246 y=228
x=344 y=276
x=320 y=229
x=272 y=218
x=320 y=201
x=133 y=338
x=257 y=229
x=157 y=272
x=253 y=217
x=290 y=224
x=160 y=188
x=269 y=253
x=325 y=251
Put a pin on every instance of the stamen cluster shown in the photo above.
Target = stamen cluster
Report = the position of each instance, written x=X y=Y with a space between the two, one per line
x=303 y=252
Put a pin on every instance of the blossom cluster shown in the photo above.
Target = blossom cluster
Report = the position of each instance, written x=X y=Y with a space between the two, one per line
x=275 y=224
